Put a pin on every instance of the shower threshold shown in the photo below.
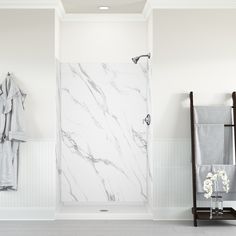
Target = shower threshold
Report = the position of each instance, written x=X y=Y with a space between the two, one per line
x=105 y=212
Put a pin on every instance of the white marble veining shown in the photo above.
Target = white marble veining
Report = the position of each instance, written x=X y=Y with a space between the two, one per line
x=103 y=136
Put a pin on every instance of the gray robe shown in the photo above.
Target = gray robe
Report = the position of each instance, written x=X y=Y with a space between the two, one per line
x=12 y=132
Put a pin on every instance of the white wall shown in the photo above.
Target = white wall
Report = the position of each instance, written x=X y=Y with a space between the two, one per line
x=192 y=50
x=27 y=50
x=102 y=41
x=57 y=28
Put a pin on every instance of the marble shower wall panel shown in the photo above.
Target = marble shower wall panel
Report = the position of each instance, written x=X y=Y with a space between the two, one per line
x=103 y=137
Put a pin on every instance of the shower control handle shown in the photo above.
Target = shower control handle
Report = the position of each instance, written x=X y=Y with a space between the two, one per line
x=147 y=119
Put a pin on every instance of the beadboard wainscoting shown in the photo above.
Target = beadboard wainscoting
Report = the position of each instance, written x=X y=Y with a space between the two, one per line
x=35 y=198
x=172 y=179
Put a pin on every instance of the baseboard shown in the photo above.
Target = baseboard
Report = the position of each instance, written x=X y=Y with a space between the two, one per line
x=27 y=213
x=103 y=216
x=172 y=213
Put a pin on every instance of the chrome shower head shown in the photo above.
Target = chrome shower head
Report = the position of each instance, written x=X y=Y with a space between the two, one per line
x=136 y=59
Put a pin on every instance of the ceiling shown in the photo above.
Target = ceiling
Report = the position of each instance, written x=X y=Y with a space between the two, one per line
x=91 y=6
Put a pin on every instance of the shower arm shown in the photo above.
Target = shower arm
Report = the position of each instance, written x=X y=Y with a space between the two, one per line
x=146 y=55
x=136 y=59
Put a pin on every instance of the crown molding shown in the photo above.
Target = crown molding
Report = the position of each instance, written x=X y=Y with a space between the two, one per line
x=149 y=6
x=192 y=4
x=34 y=4
x=60 y=10
x=29 y=4
x=187 y=4
x=104 y=17
x=147 y=9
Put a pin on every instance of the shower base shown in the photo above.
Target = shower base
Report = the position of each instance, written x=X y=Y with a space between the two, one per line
x=104 y=212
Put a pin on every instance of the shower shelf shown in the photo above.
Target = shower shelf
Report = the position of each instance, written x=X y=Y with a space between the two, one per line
x=203 y=213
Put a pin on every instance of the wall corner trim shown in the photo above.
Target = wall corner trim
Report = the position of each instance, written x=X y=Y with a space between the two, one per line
x=103 y=17
x=147 y=9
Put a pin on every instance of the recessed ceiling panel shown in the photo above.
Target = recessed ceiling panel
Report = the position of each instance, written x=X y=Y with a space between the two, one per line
x=92 y=6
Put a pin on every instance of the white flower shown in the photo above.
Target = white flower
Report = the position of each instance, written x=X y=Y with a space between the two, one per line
x=224 y=177
x=207 y=195
x=208 y=182
x=213 y=177
x=221 y=173
x=209 y=175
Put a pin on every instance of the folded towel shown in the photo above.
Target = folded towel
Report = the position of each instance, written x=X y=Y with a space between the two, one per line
x=209 y=144
x=214 y=142
x=213 y=115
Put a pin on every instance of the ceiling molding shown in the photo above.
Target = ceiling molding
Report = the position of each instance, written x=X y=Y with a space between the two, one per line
x=192 y=4
x=147 y=9
x=187 y=4
x=60 y=10
x=104 y=17
x=28 y=4
x=149 y=6
x=35 y=4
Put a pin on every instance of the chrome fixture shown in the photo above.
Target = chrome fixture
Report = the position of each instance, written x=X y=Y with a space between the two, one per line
x=136 y=59
x=147 y=119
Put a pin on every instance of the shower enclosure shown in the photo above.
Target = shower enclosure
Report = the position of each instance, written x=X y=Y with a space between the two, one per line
x=103 y=149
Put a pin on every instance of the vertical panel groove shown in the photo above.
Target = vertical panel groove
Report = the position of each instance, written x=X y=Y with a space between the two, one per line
x=172 y=173
x=36 y=186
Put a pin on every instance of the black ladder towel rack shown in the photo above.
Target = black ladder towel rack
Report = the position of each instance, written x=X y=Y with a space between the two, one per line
x=203 y=213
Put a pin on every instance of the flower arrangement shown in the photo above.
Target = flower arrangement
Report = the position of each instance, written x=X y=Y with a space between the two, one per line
x=212 y=178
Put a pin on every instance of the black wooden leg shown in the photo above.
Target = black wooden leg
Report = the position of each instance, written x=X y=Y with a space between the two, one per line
x=195 y=221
